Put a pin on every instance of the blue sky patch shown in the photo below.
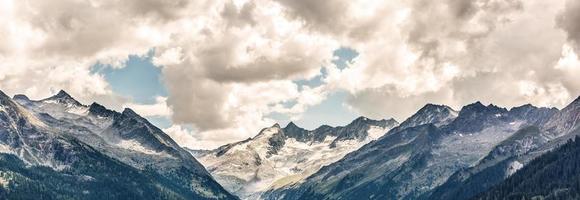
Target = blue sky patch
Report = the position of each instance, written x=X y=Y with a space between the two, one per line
x=345 y=55
x=139 y=79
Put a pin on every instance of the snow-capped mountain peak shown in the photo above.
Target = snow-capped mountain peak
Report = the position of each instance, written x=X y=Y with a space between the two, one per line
x=21 y=97
x=63 y=97
x=276 y=156
x=269 y=132
x=3 y=95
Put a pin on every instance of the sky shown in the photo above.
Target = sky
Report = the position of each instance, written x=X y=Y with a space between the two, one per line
x=211 y=72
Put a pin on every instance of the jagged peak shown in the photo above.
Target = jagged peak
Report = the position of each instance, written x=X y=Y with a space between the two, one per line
x=573 y=105
x=96 y=105
x=430 y=113
x=528 y=105
x=361 y=119
x=476 y=104
x=390 y=120
x=523 y=108
x=576 y=101
x=21 y=97
x=291 y=124
x=130 y=112
x=324 y=127
x=429 y=107
x=63 y=94
x=64 y=98
x=492 y=106
x=366 y=120
x=4 y=99
x=274 y=129
x=100 y=110
x=3 y=95
x=479 y=107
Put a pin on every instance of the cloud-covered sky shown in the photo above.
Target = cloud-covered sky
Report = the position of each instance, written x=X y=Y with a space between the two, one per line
x=216 y=71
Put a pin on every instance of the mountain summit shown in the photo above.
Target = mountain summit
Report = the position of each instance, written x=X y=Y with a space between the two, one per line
x=430 y=113
x=63 y=98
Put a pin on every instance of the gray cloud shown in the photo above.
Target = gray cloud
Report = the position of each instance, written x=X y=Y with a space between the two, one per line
x=319 y=15
x=196 y=99
x=239 y=17
x=153 y=9
x=218 y=61
x=569 y=20
x=434 y=26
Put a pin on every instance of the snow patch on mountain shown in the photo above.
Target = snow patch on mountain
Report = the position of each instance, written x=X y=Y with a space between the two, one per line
x=375 y=132
x=514 y=167
x=4 y=180
x=136 y=146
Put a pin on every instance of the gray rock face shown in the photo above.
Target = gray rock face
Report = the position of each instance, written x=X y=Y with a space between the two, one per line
x=475 y=117
x=535 y=115
x=564 y=121
x=493 y=168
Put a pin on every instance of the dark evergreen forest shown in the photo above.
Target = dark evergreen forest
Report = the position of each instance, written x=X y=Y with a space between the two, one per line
x=554 y=175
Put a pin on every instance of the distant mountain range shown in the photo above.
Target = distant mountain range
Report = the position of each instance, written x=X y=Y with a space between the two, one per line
x=438 y=153
x=456 y=158
x=58 y=148
x=277 y=156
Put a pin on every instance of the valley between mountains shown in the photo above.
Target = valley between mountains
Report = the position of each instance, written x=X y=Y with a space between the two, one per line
x=58 y=148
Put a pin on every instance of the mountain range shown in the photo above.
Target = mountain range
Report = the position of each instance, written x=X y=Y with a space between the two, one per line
x=58 y=148
x=437 y=153
x=456 y=158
